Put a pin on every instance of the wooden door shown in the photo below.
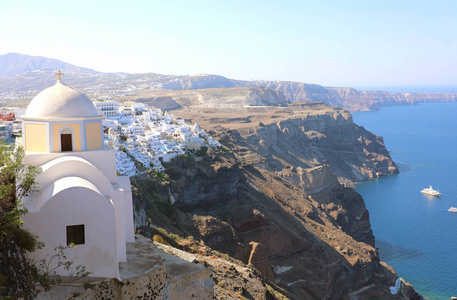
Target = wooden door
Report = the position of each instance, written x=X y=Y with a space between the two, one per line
x=66 y=142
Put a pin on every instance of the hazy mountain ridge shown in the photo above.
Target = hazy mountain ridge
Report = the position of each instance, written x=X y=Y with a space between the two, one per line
x=346 y=97
x=14 y=63
x=18 y=74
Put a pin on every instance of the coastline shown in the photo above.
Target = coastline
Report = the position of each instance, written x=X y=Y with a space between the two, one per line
x=395 y=202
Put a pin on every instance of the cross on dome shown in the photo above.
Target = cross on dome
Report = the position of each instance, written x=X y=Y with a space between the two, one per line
x=59 y=74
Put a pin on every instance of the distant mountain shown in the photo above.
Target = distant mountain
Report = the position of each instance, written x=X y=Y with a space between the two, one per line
x=346 y=97
x=14 y=63
x=22 y=76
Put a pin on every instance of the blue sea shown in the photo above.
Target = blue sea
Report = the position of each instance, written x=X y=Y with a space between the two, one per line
x=415 y=233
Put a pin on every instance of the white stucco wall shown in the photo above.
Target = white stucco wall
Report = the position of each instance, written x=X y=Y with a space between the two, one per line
x=84 y=178
x=124 y=184
x=75 y=206
x=117 y=198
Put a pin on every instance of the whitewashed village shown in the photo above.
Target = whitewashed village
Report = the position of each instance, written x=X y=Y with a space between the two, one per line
x=138 y=133
x=147 y=135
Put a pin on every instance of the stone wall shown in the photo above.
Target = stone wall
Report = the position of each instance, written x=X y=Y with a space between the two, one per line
x=149 y=273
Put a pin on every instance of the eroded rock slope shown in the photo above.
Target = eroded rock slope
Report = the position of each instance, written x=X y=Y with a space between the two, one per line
x=273 y=198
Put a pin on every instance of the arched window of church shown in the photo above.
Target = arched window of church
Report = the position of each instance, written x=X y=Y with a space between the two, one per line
x=66 y=140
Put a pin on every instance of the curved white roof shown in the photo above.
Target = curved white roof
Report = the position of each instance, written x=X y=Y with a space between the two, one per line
x=70 y=165
x=62 y=159
x=60 y=100
x=63 y=184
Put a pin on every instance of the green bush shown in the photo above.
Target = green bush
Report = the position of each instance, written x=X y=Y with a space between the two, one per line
x=202 y=151
x=162 y=176
x=160 y=235
x=18 y=272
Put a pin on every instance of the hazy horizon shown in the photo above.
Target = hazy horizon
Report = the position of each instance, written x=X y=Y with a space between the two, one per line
x=346 y=43
x=411 y=88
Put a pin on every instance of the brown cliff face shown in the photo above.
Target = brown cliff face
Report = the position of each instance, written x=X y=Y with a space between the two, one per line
x=273 y=199
x=346 y=97
x=305 y=145
x=314 y=247
x=255 y=255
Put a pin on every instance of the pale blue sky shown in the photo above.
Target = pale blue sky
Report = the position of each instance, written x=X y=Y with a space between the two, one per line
x=337 y=43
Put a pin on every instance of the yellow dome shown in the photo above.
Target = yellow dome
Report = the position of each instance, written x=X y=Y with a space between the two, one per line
x=62 y=101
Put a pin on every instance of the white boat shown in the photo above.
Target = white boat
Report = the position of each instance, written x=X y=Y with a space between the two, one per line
x=430 y=191
x=452 y=209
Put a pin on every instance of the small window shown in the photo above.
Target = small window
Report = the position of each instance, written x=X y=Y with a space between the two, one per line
x=75 y=234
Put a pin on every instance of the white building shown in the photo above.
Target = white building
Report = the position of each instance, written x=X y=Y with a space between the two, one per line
x=135 y=107
x=110 y=123
x=151 y=137
x=81 y=199
x=5 y=130
x=107 y=109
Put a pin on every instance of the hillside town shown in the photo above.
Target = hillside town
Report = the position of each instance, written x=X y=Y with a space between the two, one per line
x=96 y=86
x=143 y=137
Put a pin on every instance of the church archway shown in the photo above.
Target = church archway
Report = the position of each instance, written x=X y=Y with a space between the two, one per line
x=66 y=139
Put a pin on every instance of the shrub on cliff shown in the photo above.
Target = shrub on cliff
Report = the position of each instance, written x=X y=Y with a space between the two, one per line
x=18 y=273
x=202 y=151
x=158 y=239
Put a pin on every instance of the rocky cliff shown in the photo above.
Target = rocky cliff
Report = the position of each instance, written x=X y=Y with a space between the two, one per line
x=220 y=98
x=301 y=142
x=315 y=247
x=273 y=199
x=351 y=98
x=346 y=97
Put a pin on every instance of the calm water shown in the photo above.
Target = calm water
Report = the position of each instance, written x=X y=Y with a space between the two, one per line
x=415 y=233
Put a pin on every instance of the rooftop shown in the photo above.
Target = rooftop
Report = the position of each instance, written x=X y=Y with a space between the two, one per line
x=60 y=101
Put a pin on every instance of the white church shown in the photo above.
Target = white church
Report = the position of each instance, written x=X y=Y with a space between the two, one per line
x=81 y=199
